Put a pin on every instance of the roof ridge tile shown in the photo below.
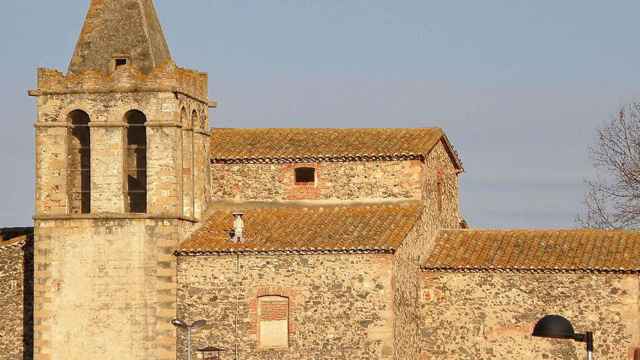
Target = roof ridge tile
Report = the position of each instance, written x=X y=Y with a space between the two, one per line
x=295 y=144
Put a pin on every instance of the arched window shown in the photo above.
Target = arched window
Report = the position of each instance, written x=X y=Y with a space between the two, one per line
x=79 y=163
x=273 y=322
x=136 y=162
x=195 y=120
x=203 y=120
x=187 y=163
x=198 y=164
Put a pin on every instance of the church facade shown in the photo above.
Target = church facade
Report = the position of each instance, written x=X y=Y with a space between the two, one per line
x=290 y=243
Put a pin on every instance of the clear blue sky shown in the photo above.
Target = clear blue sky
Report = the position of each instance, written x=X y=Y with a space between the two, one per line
x=519 y=86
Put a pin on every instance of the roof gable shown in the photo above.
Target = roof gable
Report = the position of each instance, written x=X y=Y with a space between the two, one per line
x=535 y=250
x=300 y=145
x=376 y=227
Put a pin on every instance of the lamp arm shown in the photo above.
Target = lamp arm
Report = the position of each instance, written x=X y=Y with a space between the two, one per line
x=585 y=338
x=589 y=341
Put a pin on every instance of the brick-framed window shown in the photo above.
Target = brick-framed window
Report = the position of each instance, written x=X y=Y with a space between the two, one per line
x=305 y=175
x=273 y=322
x=259 y=295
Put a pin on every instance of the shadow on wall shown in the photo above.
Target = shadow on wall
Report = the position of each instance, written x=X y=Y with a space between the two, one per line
x=28 y=285
x=28 y=297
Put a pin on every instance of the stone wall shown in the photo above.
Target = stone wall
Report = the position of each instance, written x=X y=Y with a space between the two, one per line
x=105 y=273
x=441 y=199
x=194 y=158
x=340 y=305
x=106 y=288
x=16 y=298
x=491 y=315
x=165 y=128
x=106 y=279
x=441 y=192
x=406 y=309
x=166 y=77
x=374 y=180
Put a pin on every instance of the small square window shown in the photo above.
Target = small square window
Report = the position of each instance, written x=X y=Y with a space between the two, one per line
x=119 y=62
x=305 y=176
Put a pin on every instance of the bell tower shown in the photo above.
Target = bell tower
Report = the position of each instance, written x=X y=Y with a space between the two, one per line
x=121 y=171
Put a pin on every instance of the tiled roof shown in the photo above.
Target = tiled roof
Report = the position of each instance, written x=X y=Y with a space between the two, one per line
x=267 y=145
x=13 y=242
x=14 y=236
x=306 y=228
x=535 y=250
x=9 y=233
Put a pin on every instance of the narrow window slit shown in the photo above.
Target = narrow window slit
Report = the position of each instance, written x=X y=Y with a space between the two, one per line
x=136 y=162
x=79 y=163
x=119 y=62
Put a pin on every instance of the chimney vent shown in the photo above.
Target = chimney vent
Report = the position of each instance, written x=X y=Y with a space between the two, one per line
x=237 y=235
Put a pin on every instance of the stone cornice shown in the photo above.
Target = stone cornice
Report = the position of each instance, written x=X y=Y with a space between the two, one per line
x=38 y=92
x=113 y=217
x=164 y=78
x=151 y=124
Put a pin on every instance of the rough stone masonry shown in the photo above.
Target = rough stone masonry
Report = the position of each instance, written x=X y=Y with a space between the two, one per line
x=353 y=244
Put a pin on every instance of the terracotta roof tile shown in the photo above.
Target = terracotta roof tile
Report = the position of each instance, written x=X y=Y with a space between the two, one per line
x=14 y=236
x=379 y=227
x=535 y=250
x=229 y=145
x=16 y=241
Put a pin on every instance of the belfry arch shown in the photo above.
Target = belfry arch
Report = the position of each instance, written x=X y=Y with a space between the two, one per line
x=79 y=163
x=136 y=162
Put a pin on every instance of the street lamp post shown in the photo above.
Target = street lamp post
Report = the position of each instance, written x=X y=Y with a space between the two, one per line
x=190 y=328
x=557 y=327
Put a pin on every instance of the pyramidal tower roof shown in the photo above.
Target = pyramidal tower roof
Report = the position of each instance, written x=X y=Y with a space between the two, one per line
x=120 y=29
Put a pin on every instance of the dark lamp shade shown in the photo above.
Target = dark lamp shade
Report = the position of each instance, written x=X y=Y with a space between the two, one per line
x=555 y=327
x=179 y=323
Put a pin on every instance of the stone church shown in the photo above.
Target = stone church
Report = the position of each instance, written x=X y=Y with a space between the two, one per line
x=290 y=243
